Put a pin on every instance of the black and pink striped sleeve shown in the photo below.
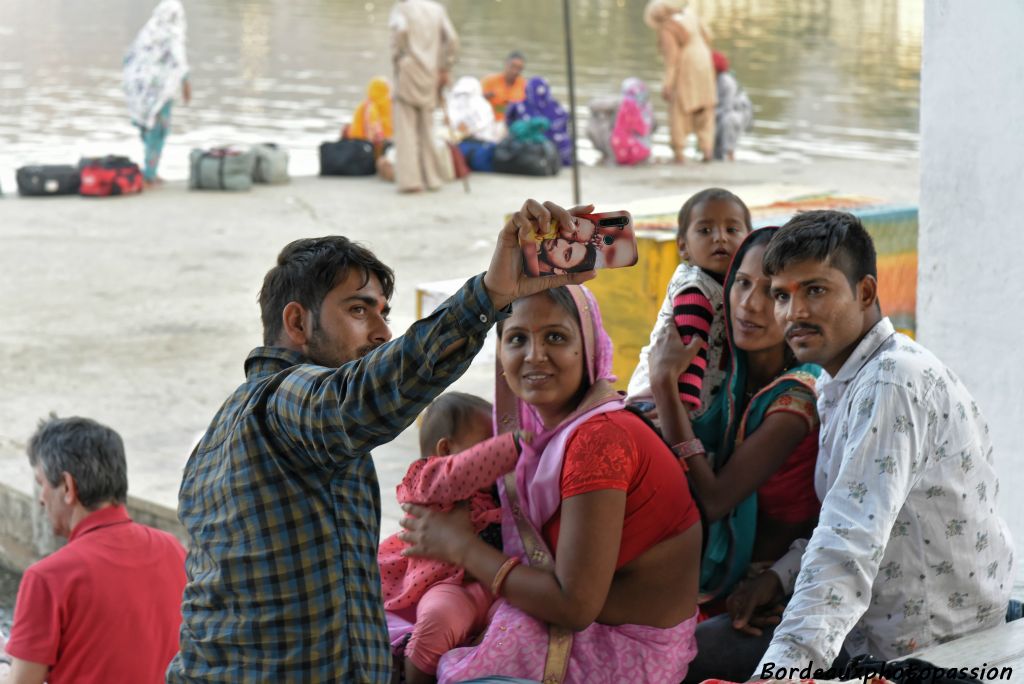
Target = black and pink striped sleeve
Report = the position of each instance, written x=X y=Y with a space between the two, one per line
x=693 y=314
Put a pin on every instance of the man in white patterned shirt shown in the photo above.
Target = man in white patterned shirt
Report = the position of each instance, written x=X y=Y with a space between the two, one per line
x=909 y=549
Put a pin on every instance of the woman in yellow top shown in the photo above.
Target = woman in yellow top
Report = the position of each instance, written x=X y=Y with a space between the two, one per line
x=372 y=118
x=689 y=84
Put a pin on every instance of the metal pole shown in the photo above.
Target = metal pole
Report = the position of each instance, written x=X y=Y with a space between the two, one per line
x=572 y=101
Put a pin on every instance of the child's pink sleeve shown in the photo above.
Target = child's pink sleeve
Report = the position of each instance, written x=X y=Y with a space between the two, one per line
x=693 y=314
x=447 y=479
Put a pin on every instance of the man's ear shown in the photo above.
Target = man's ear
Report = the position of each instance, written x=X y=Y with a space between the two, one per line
x=296 y=325
x=70 y=488
x=867 y=292
x=443 y=447
x=681 y=245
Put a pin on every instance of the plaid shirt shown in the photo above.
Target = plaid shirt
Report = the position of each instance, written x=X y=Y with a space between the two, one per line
x=281 y=502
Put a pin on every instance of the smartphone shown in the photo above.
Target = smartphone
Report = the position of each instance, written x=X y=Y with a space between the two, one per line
x=605 y=240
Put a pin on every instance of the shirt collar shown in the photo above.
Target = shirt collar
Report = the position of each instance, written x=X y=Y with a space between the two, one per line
x=264 y=361
x=109 y=515
x=865 y=349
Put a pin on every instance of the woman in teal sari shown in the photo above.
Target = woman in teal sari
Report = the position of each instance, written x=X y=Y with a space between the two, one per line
x=751 y=456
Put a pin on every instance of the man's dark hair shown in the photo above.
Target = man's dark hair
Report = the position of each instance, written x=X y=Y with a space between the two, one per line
x=307 y=270
x=586 y=265
x=448 y=414
x=91 y=453
x=516 y=54
x=835 y=237
x=709 y=195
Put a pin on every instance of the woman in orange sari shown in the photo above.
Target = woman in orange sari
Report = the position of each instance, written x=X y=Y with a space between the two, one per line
x=372 y=118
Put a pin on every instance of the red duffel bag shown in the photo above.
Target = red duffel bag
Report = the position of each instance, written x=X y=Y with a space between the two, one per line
x=110 y=175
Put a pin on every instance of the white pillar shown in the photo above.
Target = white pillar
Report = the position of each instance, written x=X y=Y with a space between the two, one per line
x=970 y=301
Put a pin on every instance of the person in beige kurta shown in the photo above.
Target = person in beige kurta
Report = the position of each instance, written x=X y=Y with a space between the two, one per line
x=423 y=48
x=689 y=83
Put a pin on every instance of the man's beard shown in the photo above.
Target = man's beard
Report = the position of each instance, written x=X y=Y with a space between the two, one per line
x=320 y=351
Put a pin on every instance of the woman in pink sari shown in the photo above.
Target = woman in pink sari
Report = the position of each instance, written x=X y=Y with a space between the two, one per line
x=634 y=122
x=597 y=580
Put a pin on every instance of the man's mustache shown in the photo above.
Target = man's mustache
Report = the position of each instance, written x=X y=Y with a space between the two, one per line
x=801 y=328
x=363 y=351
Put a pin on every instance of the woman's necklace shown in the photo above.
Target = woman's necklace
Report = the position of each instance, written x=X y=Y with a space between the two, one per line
x=749 y=392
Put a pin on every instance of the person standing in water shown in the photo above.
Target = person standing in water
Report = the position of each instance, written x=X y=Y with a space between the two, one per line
x=689 y=83
x=424 y=45
x=155 y=66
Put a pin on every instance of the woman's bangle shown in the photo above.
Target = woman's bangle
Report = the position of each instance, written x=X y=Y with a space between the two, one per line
x=691 y=447
x=502 y=574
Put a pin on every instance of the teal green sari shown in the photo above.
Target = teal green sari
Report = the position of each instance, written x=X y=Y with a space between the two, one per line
x=722 y=428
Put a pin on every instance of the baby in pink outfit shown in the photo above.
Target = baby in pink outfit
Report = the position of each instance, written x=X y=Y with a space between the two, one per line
x=459 y=461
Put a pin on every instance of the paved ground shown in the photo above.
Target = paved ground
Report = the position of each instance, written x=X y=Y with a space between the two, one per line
x=139 y=311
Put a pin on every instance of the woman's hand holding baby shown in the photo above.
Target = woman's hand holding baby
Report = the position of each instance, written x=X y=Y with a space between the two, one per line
x=433 y=534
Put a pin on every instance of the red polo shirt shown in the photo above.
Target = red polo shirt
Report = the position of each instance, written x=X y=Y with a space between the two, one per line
x=106 y=607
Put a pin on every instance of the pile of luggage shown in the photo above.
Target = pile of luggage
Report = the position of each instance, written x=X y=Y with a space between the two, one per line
x=219 y=168
x=348 y=157
x=92 y=177
x=235 y=169
x=525 y=151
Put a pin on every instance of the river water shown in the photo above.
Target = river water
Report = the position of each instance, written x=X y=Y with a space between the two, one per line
x=827 y=78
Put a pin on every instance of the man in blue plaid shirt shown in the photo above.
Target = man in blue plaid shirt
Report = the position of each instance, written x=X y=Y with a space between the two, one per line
x=280 y=498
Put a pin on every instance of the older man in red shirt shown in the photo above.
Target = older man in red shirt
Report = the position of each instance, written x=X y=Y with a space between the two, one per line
x=106 y=607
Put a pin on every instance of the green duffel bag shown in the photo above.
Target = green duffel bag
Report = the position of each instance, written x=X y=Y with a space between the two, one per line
x=271 y=163
x=221 y=168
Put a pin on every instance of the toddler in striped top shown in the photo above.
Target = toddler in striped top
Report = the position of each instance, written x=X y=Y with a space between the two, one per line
x=712 y=224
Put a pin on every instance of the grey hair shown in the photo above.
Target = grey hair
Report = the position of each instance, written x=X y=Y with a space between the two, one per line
x=93 y=454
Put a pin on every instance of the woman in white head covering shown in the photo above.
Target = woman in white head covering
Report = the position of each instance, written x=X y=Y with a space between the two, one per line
x=155 y=66
x=470 y=113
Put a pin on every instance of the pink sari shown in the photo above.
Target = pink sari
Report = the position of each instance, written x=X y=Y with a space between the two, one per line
x=516 y=644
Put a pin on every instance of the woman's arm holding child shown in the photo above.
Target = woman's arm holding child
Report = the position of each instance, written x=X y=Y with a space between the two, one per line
x=756 y=459
x=573 y=595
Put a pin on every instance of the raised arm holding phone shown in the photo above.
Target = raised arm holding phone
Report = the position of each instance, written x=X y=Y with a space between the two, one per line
x=280 y=498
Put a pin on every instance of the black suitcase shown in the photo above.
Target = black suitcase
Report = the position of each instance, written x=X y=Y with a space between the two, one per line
x=56 y=179
x=533 y=158
x=348 y=157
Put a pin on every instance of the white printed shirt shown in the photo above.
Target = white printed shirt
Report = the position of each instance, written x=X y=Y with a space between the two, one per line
x=909 y=550
x=684 y=277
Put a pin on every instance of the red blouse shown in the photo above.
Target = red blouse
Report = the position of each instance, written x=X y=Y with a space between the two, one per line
x=618 y=451
x=788 y=495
